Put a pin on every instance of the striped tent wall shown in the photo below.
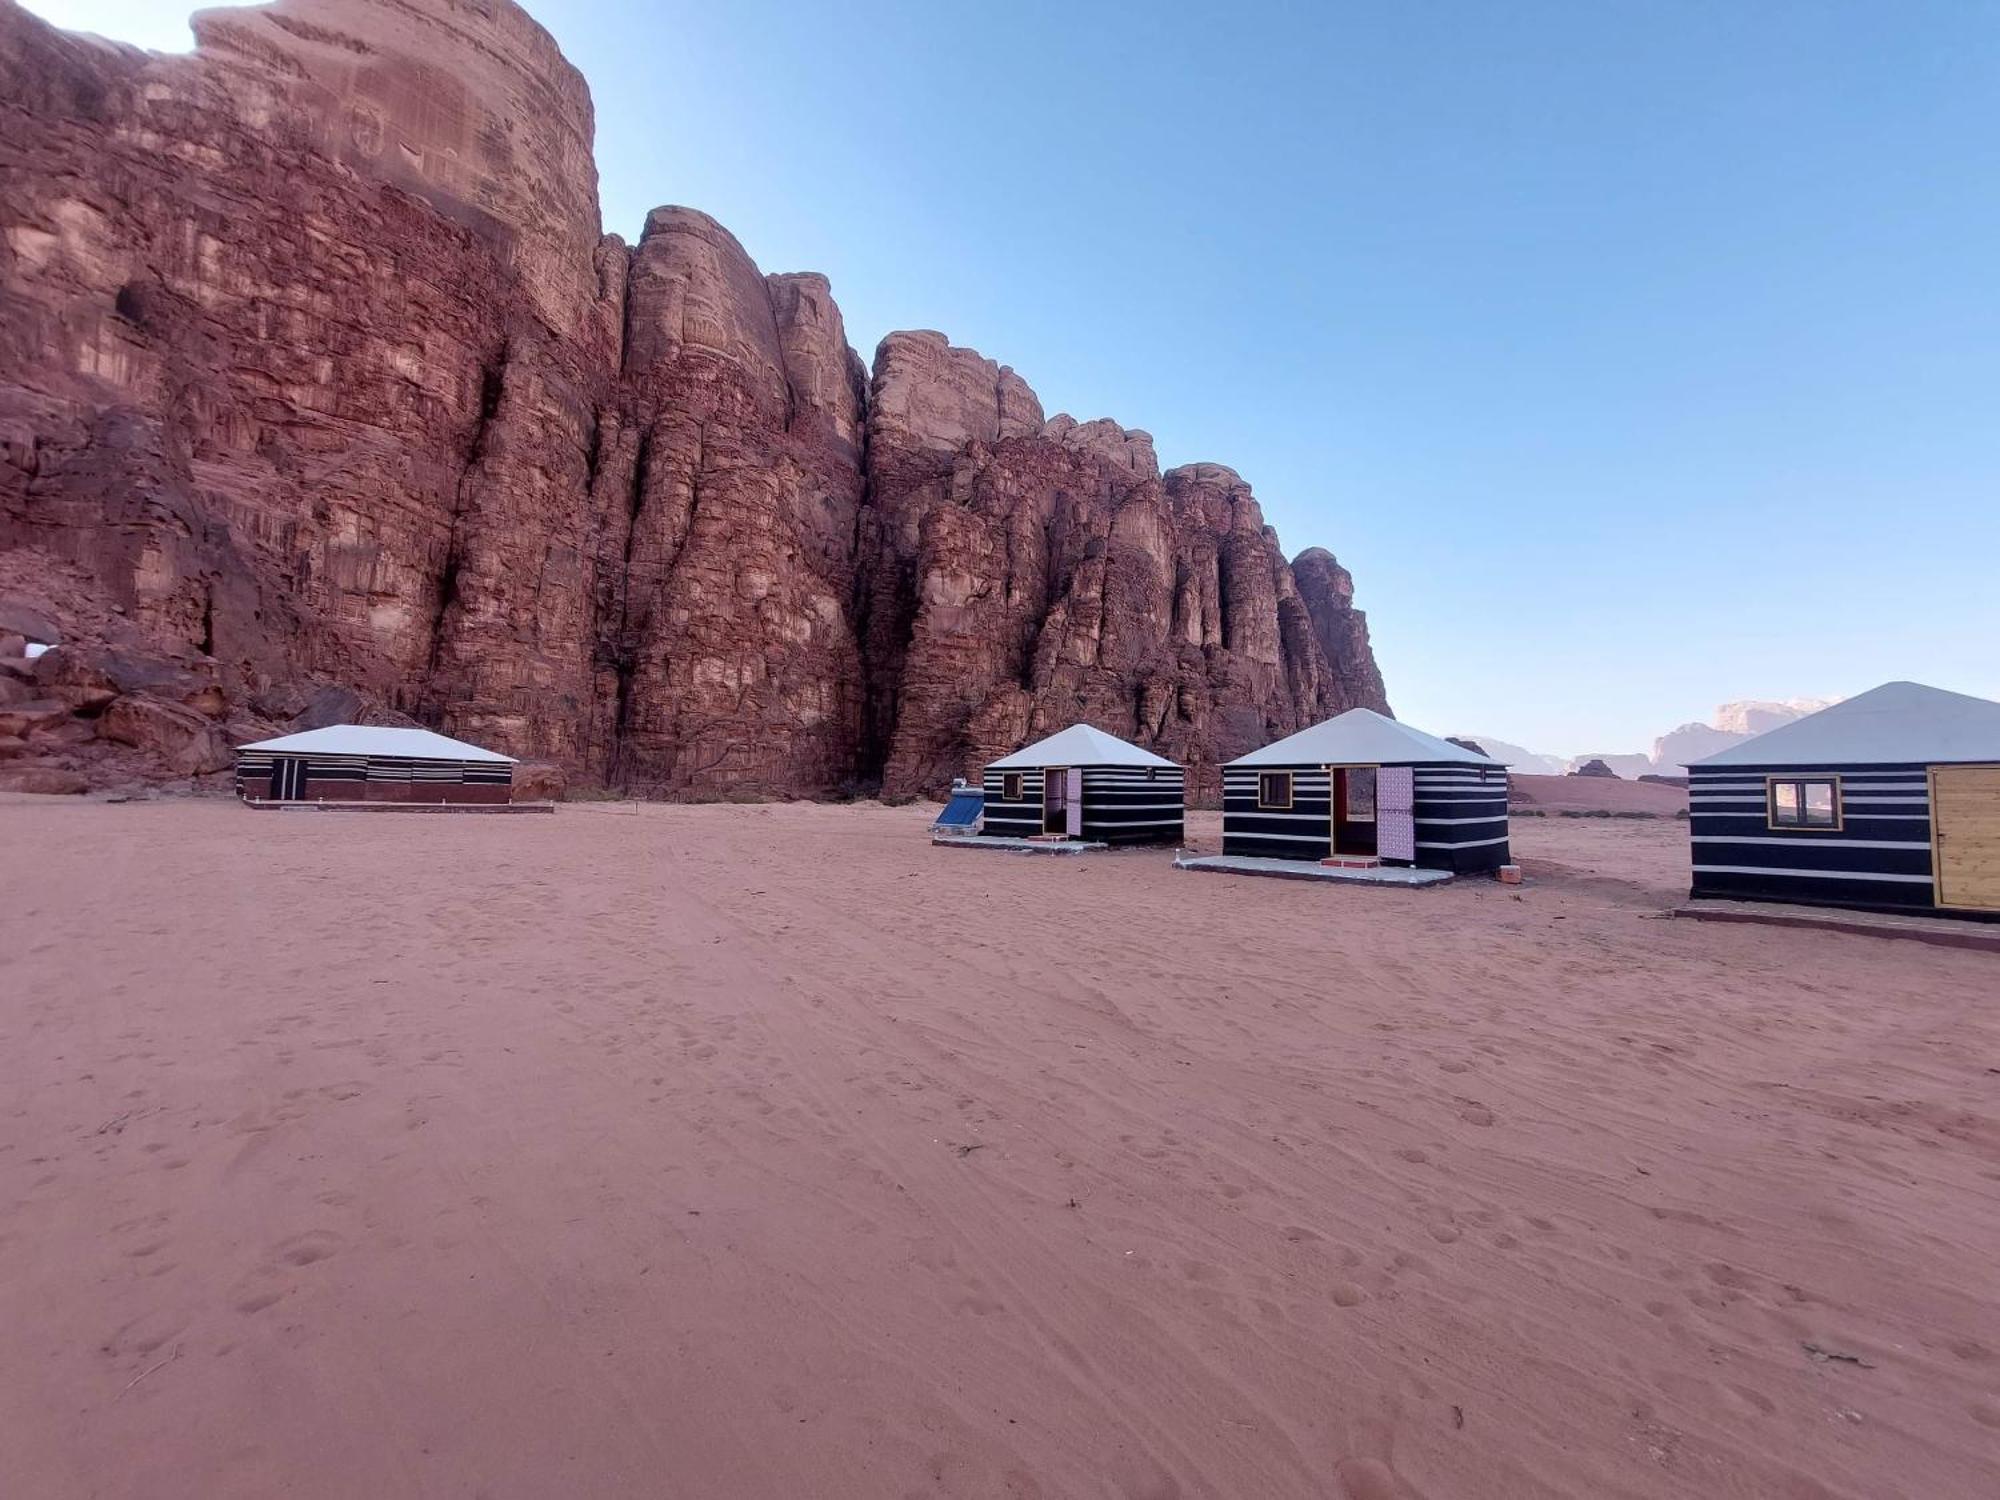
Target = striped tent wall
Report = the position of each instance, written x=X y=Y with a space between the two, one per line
x=1302 y=831
x=1880 y=855
x=1121 y=804
x=364 y=778
x=1134 y=804
x=1461 y=815
x=1018 y=819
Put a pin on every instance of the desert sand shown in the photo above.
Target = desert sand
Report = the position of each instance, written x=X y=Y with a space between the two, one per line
x=768 y=1151
x=1596 y=794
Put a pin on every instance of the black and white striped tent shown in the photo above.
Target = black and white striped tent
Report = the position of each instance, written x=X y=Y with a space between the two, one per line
x=1085 y=784
x=1362 y=787
x=1887 y=800
x=370 y=763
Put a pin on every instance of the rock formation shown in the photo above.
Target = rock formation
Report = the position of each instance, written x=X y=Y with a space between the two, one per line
x=317 y=373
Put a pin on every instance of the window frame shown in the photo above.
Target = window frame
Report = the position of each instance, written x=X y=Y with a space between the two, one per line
x=1266 y=804
x=1013 y=786
x=1802 y=781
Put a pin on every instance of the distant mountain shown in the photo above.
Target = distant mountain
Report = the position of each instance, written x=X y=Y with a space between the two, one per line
x=1631 y=767
x=1730 y=724
x=1527 y=762
x=1733 y=723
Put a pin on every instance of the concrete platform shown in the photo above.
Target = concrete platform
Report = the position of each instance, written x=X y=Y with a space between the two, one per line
x=1940 y=932
x=1306 y=869
x=1016 y=846
x=405 y=807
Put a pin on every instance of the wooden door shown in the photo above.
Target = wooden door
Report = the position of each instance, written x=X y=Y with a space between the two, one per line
x=1073 y=793
x=1965 y=835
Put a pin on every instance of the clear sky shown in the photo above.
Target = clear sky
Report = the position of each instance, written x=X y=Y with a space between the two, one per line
x=1635 y=354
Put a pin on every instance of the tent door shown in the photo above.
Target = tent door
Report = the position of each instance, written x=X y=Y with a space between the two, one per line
x=288 y=778
x=1965 y=824
x=1062 y=800
x=1353 y=809
x=1395 y=813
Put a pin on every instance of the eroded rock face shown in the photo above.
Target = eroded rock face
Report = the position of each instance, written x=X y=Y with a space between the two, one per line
x=317 y=376
x=1024 y=575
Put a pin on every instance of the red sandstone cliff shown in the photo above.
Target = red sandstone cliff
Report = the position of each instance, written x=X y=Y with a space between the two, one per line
x=318 y=378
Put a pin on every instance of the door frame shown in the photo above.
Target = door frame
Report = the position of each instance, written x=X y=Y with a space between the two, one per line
x=288 y=778
x=1937 y=834
x=1055 y=776
x=1336 y=795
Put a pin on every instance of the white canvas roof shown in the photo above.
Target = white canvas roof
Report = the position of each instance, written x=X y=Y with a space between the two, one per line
x=1898 y=723
x=1080 y=745
x=1361 y=737
x=375 y=739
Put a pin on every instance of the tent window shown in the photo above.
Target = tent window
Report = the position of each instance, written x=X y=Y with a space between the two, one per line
x=1804 y=802
x=1274 y=789
x=1010 y=787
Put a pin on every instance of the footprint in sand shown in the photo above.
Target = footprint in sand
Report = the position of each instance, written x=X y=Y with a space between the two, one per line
x=1370 y=1479
x=307 y=1249
x=144 y=1334
x=256 y=1294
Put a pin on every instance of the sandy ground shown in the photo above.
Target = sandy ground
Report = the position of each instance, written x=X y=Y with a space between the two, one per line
x=1594 y=794
x=651 y=1151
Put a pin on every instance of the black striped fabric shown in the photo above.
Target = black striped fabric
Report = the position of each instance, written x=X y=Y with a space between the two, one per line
x=253 y=771
x=1302 y=831
x=1020 y=819
x=1879 y=856
x=1461 y=815
x=1121 y=804
x=1134 y=804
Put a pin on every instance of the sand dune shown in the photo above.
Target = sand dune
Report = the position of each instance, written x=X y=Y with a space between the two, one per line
x=727 y=1151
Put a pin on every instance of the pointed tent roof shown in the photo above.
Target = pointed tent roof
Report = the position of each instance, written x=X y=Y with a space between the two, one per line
x=1898 y=723
x=1080 y=745
x=1362 y=737
x=376 y=739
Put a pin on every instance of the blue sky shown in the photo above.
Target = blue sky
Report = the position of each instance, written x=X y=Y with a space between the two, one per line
x=1635 y=356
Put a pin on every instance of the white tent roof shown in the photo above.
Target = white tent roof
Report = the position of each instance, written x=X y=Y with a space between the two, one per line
x=1898 y=723
x=1080 y=745
x=1362 y=737
x=375 y=739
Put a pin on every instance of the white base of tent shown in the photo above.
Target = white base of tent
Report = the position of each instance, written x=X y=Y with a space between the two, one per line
x=1303 y=869
x=1017 y=846
x=1916 y=924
